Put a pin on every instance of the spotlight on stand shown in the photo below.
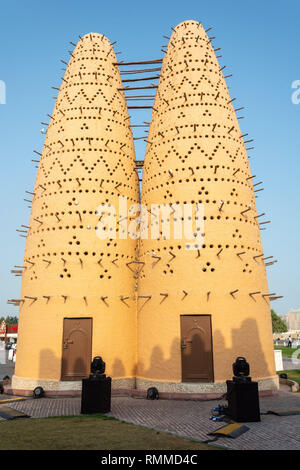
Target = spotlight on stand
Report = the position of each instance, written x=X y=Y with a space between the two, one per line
x=241 y=370
x=97 y=368
x=242 y=394
x=96 y=390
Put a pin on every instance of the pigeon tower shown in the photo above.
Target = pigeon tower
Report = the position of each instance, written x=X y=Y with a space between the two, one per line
x=78 y=299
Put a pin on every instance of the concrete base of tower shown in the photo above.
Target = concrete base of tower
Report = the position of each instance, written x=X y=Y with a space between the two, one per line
x=266 y=384
x=137 y=387
x=24 y=387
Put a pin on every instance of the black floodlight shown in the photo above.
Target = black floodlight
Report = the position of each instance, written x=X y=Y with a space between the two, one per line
x=241 y=367
x=97 y=365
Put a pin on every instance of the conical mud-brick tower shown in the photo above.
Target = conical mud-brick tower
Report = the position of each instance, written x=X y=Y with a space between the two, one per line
x=78 y=291
x=198 y=309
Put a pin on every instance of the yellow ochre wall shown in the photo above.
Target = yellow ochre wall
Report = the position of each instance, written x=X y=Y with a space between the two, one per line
x=88 y=158
x=196 y=154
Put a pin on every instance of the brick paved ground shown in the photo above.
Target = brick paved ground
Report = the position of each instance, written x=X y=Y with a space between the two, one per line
x=188 y=418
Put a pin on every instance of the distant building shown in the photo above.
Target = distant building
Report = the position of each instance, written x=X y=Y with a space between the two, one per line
x=285 y=318
x=292 y=319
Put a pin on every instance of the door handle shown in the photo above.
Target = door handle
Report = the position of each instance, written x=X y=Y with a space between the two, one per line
x=185 y=343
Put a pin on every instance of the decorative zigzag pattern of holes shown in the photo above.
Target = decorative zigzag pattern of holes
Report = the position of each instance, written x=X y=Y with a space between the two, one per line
x=194 y=133
x=88 y=159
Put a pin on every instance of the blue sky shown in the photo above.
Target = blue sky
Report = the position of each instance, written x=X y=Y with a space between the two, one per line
x=260 y=47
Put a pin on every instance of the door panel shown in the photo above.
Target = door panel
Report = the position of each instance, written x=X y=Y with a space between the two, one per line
x=196 y=348
x=77 y=348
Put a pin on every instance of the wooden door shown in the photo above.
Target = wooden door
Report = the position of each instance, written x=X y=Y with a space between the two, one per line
x=196 y=348
x=77 y=348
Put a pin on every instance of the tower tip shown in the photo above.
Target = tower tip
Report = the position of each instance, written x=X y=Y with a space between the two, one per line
x=188 y=28
x=95 y=37
x=188 y=24
x=95 y=42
